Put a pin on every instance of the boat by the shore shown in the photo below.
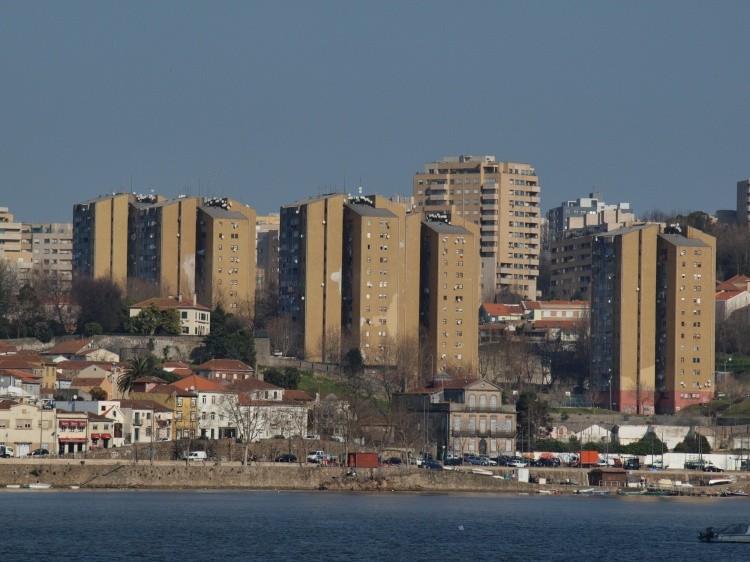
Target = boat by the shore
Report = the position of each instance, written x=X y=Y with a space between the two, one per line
x=734 y=493
x=739 y=532
x=646 y=492
x=592 y=492
x=39 y=486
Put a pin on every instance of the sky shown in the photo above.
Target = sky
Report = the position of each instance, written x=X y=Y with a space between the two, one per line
x=270 y=102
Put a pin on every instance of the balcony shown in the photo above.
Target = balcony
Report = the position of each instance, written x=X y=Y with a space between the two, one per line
x=501 y=409
x=487 y=433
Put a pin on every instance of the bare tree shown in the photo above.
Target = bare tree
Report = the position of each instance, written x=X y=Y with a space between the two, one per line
x=248 y=415
x=285 y=334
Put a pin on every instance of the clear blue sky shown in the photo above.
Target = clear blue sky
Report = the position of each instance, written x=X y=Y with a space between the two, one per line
x=268 y=102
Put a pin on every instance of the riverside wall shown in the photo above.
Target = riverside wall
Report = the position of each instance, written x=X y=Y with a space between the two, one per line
x=263 y=476
x=110 y=474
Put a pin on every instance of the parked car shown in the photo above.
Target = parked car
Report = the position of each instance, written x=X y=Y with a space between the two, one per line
x=39 y=453
x=490 y=462
x=6 y=452
x=392 y=461
x=632 y=464
x=518 y=462
x=711 y=468
x=547 y=462
x=478 y=461
x=433 y=465
x=453 y=461
x=195 y=456
x=286 y=458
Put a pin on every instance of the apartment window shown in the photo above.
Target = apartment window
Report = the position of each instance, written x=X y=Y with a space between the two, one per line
x=179 y=401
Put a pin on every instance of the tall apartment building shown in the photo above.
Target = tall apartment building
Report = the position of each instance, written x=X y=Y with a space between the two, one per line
x=225 y=255
x=743 y=203
x=380 y=310
x=586 y=212
x=12 y=247
x=652 y=318
x=101 y=236
x=51 y=248
x=502 y=198
x=570 y=255
x=351 y=272
x=267 y=251
x=161 y=244
x=449 y=292
x=36 y=247
x=310 y=271
x=185 y=246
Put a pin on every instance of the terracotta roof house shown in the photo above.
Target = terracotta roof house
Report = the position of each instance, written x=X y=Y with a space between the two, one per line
x=493 y=313
x=733 y=295
x=228 y=369
x=83 y=350
x=195 y=320
x=7 y=349
x=70 y=348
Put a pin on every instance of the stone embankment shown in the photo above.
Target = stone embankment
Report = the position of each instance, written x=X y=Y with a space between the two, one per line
x=64 y=473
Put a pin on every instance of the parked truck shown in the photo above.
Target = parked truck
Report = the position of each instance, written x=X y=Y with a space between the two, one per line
x=588 y=459
x=317 y=456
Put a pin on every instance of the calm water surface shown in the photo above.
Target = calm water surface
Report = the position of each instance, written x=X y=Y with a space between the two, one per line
x=241 y=525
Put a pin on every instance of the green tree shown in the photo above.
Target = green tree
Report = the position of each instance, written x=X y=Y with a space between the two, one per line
x=93 y=329
x=533 y=419
x=649 y=444
x=141 y=366
x=229 y=339
x=288 y=377
x=353 y=362
x=151 y=320
x=98 y=393
x=693 y=443
x=100 y=300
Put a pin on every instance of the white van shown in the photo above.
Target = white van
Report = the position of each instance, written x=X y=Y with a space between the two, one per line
x=6 y=452
x=195 y=456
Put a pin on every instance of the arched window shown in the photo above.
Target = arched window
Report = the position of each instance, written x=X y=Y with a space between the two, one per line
x=493 y=401
x=483 y=401
x=472 y=401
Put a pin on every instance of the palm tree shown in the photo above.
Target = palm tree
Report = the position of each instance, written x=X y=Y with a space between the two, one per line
x=138 y=367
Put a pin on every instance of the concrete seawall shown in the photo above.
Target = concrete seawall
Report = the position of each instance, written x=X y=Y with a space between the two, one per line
x=63 y=473
x=176 y=475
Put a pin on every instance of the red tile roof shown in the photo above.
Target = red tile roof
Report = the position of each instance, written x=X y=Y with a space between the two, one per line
x=199 y=384
x=498 y=309
x=224 y=365
x=15 y=362
x=7 y=348
x=299 y=395
x=69 y=347
x=727 y=295
x=736 y=283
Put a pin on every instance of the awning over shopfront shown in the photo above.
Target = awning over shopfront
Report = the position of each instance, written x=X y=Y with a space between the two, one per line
x=72 y=439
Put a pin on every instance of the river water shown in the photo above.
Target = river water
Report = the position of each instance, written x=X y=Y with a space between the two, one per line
x=245 y=525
